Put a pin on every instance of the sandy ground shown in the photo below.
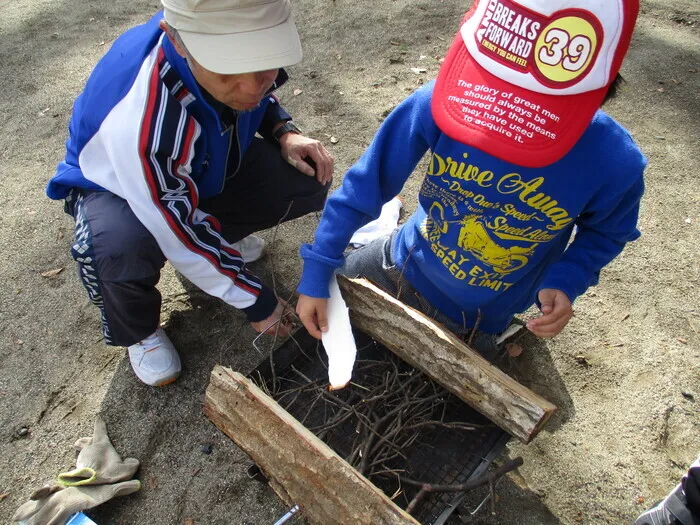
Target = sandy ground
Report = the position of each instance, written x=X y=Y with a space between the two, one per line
x=625 y=373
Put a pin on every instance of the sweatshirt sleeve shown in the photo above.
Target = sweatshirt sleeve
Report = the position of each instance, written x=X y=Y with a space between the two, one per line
x=373 y=180
x=603 y=230
x=143 y=152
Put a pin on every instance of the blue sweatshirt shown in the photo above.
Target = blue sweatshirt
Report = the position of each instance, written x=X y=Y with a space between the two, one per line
x=487 y=234
x=144 y=130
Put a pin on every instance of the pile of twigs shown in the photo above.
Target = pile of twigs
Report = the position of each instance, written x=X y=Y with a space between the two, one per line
x=390 y=409
x=386 y=413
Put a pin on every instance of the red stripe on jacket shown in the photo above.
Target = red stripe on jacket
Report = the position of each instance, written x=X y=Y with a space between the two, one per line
x=145 y=142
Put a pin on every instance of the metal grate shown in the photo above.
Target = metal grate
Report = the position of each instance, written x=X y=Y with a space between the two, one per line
x=438 y=456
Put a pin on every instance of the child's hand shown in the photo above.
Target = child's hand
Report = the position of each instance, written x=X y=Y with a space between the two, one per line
x=556 y=313
x=313 y=312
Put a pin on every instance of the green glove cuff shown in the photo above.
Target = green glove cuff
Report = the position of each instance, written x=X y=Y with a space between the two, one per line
x=127 y=487
x=77 y=477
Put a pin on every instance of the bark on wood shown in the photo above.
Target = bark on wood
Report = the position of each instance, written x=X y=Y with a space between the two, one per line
x=432 y=349
x=302 y=469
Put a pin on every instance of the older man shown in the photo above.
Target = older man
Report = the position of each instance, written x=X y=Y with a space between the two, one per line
x=163 y=163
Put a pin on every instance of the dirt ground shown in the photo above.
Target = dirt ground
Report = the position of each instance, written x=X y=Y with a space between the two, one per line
x=625 y=373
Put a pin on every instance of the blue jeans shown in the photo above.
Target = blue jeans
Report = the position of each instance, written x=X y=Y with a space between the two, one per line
x=375 y=263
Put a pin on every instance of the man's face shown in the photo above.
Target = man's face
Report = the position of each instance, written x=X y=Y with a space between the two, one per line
x=242 y=92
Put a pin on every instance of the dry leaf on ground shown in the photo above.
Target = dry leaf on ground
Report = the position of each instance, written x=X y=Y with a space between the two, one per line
x=514 y=349
x=152 y=483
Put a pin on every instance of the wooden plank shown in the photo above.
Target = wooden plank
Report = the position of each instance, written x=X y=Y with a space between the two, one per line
x=427 y=346
x=303 y=470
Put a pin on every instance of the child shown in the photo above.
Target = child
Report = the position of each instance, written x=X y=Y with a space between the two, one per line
x=521 y=155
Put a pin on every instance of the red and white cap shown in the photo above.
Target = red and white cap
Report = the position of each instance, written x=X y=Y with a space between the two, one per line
x=523 y=78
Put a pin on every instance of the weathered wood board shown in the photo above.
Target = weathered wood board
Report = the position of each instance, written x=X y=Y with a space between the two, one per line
x=302 y=469
x=427 y=346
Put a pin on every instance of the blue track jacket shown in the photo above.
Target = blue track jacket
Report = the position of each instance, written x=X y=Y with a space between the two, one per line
x=143 y=130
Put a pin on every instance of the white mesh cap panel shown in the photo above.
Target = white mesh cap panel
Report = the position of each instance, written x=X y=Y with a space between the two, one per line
x=551 y=27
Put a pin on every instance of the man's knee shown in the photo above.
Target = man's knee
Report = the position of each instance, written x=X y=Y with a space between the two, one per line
x=110 y=238
x=303 y=203
x=127 y=258
x=317 y=200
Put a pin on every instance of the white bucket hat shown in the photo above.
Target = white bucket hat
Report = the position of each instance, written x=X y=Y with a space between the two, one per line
x=236 y=36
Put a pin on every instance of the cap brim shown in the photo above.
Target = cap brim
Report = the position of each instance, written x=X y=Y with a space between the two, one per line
x=261 y=50
x=555 y=125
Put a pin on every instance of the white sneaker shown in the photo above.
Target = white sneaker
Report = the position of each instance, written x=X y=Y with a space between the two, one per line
x=251 y=248
x=155 y=360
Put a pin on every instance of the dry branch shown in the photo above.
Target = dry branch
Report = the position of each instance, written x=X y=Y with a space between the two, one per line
x=487 y=478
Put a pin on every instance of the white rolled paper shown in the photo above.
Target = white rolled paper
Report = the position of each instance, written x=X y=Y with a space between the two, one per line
x=386 y=223
x=338 y=341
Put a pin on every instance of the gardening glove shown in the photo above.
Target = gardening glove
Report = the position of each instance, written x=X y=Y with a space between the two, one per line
x=54 y=505
x=98 y=463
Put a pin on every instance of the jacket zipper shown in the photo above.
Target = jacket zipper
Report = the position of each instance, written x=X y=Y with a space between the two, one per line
x=228 y=152
x=232 y=129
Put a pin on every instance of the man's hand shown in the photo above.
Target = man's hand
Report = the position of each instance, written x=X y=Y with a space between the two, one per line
x=297 y=149
x=556 y=312
x=270 y=325
x=313 y=312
